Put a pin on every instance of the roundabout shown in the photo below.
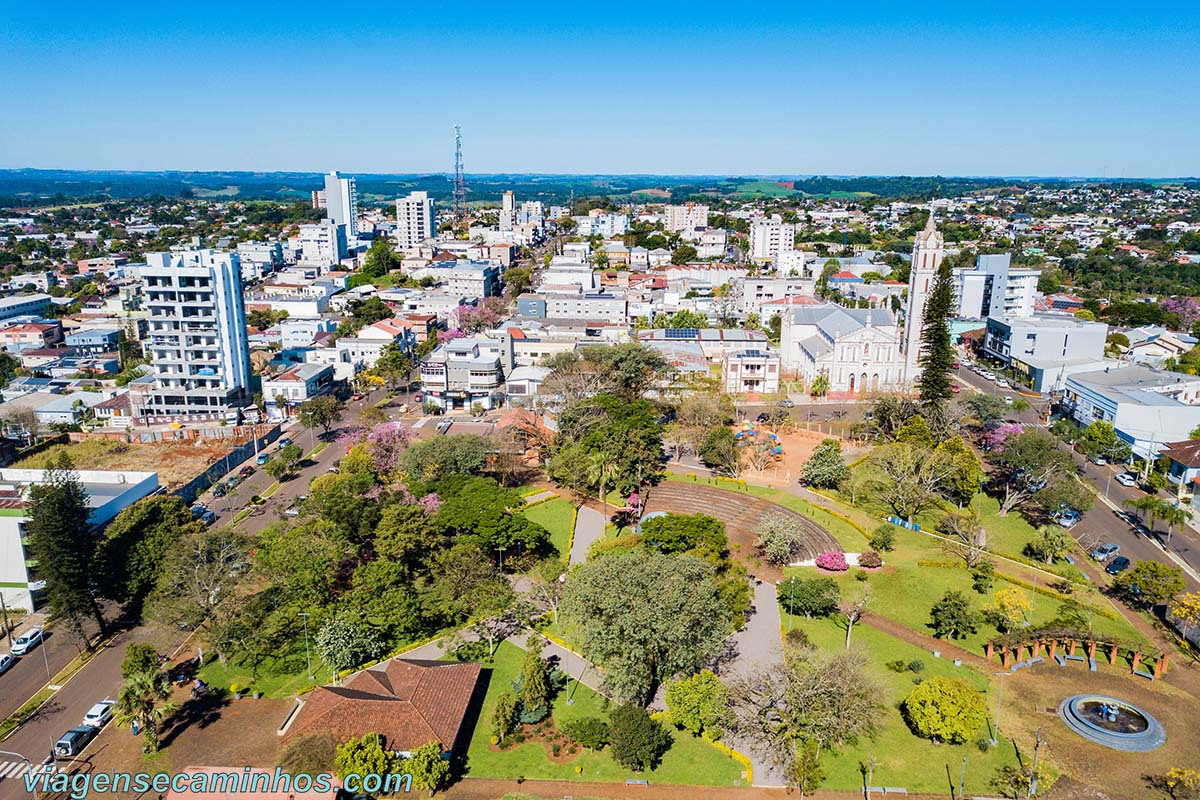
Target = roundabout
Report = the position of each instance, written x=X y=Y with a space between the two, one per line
x=1112 y=723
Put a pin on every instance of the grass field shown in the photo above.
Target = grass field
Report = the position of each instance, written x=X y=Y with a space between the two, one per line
x=223 y=675
x=900 y=758
x=689 y=761
x=557 y=516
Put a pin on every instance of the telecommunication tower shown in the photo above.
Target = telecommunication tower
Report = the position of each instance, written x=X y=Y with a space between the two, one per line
x=460 y=184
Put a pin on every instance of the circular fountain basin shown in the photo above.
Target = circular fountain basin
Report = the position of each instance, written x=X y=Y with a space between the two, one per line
x=1112 y=723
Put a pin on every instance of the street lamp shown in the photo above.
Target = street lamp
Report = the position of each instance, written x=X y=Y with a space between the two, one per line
x=307 y=658
x=27 y=763
x=501 y=551
x=999 y=699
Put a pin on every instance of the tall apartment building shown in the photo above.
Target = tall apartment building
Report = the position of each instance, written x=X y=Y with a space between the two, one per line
x=508 y=210
x=197 y=339
x=341 y=202
x=322 y=243
x=771 y=236
x=688 y=216
x=415 y=221
x=993 y=288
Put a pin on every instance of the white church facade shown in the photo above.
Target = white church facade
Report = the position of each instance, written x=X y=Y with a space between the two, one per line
x=862 y=350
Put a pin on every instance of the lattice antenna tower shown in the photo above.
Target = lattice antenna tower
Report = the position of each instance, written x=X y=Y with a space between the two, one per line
x=460 y=184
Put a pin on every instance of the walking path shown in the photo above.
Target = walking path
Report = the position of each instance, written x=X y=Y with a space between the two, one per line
x=540 y=496
x=589 y=528
x=490 y=789
x=759 y=649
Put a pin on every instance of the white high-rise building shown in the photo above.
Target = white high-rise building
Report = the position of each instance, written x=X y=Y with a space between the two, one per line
x=415 y=221
x=770 y=237
x=688 y=216
x=341 y=202
x=994 y=288
x=322 y=243
x=928 y=252
x=196 y=336
x=508 y=208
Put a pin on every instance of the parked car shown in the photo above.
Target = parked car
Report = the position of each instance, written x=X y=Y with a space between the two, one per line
x=6 y=662
x=954 y=388
x=1117 y=565
x=1067 y=516
x=27 y=641
x=1099 y=461
x=284 y=441
x=417 y=397
x=292 y=511
x=99 y=714
x=263 y=458
x=956 y=365
x=787 y=403
x=356 y=396
x=208 y=517
x=256 y=500
x=198 y=510
x=246 y=471
x=1127 y=479
x=73 y=741
x=1106 y=551
x=762 y=417
x=1002 y=383
x=1008 y=401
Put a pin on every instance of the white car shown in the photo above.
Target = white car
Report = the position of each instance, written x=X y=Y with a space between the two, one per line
x=1008 y=401
x=27 y=641
x=99 y=714
x=1002 y=383
x=1126 y=479
x=6 y=662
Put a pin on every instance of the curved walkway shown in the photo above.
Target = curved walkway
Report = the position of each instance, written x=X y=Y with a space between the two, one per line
x=589 y=528
x=742 y=513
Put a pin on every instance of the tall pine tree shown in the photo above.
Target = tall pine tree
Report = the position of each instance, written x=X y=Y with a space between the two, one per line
x=937 y=353
x=62 y=541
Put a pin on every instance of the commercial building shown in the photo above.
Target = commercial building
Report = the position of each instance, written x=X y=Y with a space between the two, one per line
x=29 y=305
x=1043 y=338
x=1146 y=407
x=197 y=338
x=464 y=372
x=751 y=371
x=415 y=220
x=322 y=243
x=993 y=288
x=297 y=384
x=604 y=304
x=341 y=202
x=94 y=341
x=109 y=493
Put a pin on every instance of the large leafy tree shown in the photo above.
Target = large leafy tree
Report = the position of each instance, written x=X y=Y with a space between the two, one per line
x=430 y=460
x=644 y=617
x=699 y=704
x=321 y=412
x=952 y=616
x=826 y=467
x=1027 y=464
x=945 y=709
x=143 y=699
x=1150 y=583
x=910 y=478
x=136 y=543
x=720 y=453
x=62 y=540
x=627 y=433
x=478 y=511
x=197 y=576
x=637 y=740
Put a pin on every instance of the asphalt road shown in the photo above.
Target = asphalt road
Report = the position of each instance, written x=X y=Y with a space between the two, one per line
x=101 y=676
x=30 y=673
x=1101 y=524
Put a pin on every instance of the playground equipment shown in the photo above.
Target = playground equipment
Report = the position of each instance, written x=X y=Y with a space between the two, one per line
x=769 y=447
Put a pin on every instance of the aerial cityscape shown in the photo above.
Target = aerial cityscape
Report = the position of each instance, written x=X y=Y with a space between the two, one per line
x=523 y=431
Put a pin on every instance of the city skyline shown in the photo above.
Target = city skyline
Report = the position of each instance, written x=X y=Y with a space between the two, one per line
x=670 y=90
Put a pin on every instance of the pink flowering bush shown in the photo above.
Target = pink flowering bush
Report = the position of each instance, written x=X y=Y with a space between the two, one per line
x=430 y=504
x=446 y=336
x=834 y=562
x=1003 y=433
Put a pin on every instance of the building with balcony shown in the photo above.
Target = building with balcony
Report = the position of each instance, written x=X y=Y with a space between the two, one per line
x=994 y=288
x=1044 y=339
x=464 y=372
x=296 y=385
x=109 y=493
x=197 y=339
x=750 y=371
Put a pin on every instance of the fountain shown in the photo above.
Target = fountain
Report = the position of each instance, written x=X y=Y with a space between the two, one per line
x=1112 y=723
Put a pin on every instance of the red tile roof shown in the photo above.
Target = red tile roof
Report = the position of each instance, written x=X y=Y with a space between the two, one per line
x=408 y=702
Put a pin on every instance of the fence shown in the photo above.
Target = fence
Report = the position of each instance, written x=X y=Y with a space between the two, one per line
x=217 y=470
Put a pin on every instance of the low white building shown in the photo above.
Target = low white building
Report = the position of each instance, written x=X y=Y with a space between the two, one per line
x=109 y=493
x=751 y=372
x=1148 y=408
x=298 y=384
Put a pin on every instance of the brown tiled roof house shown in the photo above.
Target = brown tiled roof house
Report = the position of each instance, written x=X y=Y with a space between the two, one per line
x=409 y=702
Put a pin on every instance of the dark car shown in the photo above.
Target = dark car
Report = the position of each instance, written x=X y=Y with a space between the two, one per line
x=73 y=741
x=1117 y=565
x=219 y=490
x=762 y=417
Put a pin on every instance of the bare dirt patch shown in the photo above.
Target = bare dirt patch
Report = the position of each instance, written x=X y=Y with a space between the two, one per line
x=175 y=463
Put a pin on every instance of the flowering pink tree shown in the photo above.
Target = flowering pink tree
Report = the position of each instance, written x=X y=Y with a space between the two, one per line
x=453 y=333
x=385 y=443
x=473 y=319
x=1188 y=309
x=1003 y=433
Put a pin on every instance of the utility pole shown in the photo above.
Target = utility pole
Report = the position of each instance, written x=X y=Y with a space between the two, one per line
x=1033 y=778
x=962 y=779
x=501 y=550
x=999 y=699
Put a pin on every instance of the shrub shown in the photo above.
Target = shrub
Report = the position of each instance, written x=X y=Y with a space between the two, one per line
x=916 y=665
x=983 y=575
x=898 y=665
x=861 y=575
x=812 y=597
x=945 y=709
x=883 y=538
x=797 y=637
x=870 y=560
x=591 y=732
x=833 y=562
x=638 y=742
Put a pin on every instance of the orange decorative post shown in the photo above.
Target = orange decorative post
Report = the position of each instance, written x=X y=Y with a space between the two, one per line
x=1113 y=652
x=1071 y=647
x=1164 y=661
x=1021 y=652
x=1007 y=658
x=1091 y=648
x=991 y=651
x=1137 y=659
x=1053 y=647
x=1158 y=667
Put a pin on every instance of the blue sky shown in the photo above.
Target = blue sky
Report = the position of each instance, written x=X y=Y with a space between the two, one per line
x=962 y=88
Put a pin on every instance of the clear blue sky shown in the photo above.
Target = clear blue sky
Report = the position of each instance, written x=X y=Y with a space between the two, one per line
x=659 y=86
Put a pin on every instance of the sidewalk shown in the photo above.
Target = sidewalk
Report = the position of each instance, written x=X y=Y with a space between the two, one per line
x=589 y=528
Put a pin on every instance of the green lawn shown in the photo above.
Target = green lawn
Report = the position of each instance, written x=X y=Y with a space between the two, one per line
x=557 y=516
x=689 y=761
x=902 y=759
x=275 y=676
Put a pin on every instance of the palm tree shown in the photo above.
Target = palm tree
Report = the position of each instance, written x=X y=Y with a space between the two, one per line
x=1174 y=515
x=820 y=385
x=1146 y=507
x=601 y=470
x=139 y=702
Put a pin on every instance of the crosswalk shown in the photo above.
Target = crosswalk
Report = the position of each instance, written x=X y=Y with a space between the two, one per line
x=17 y=769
